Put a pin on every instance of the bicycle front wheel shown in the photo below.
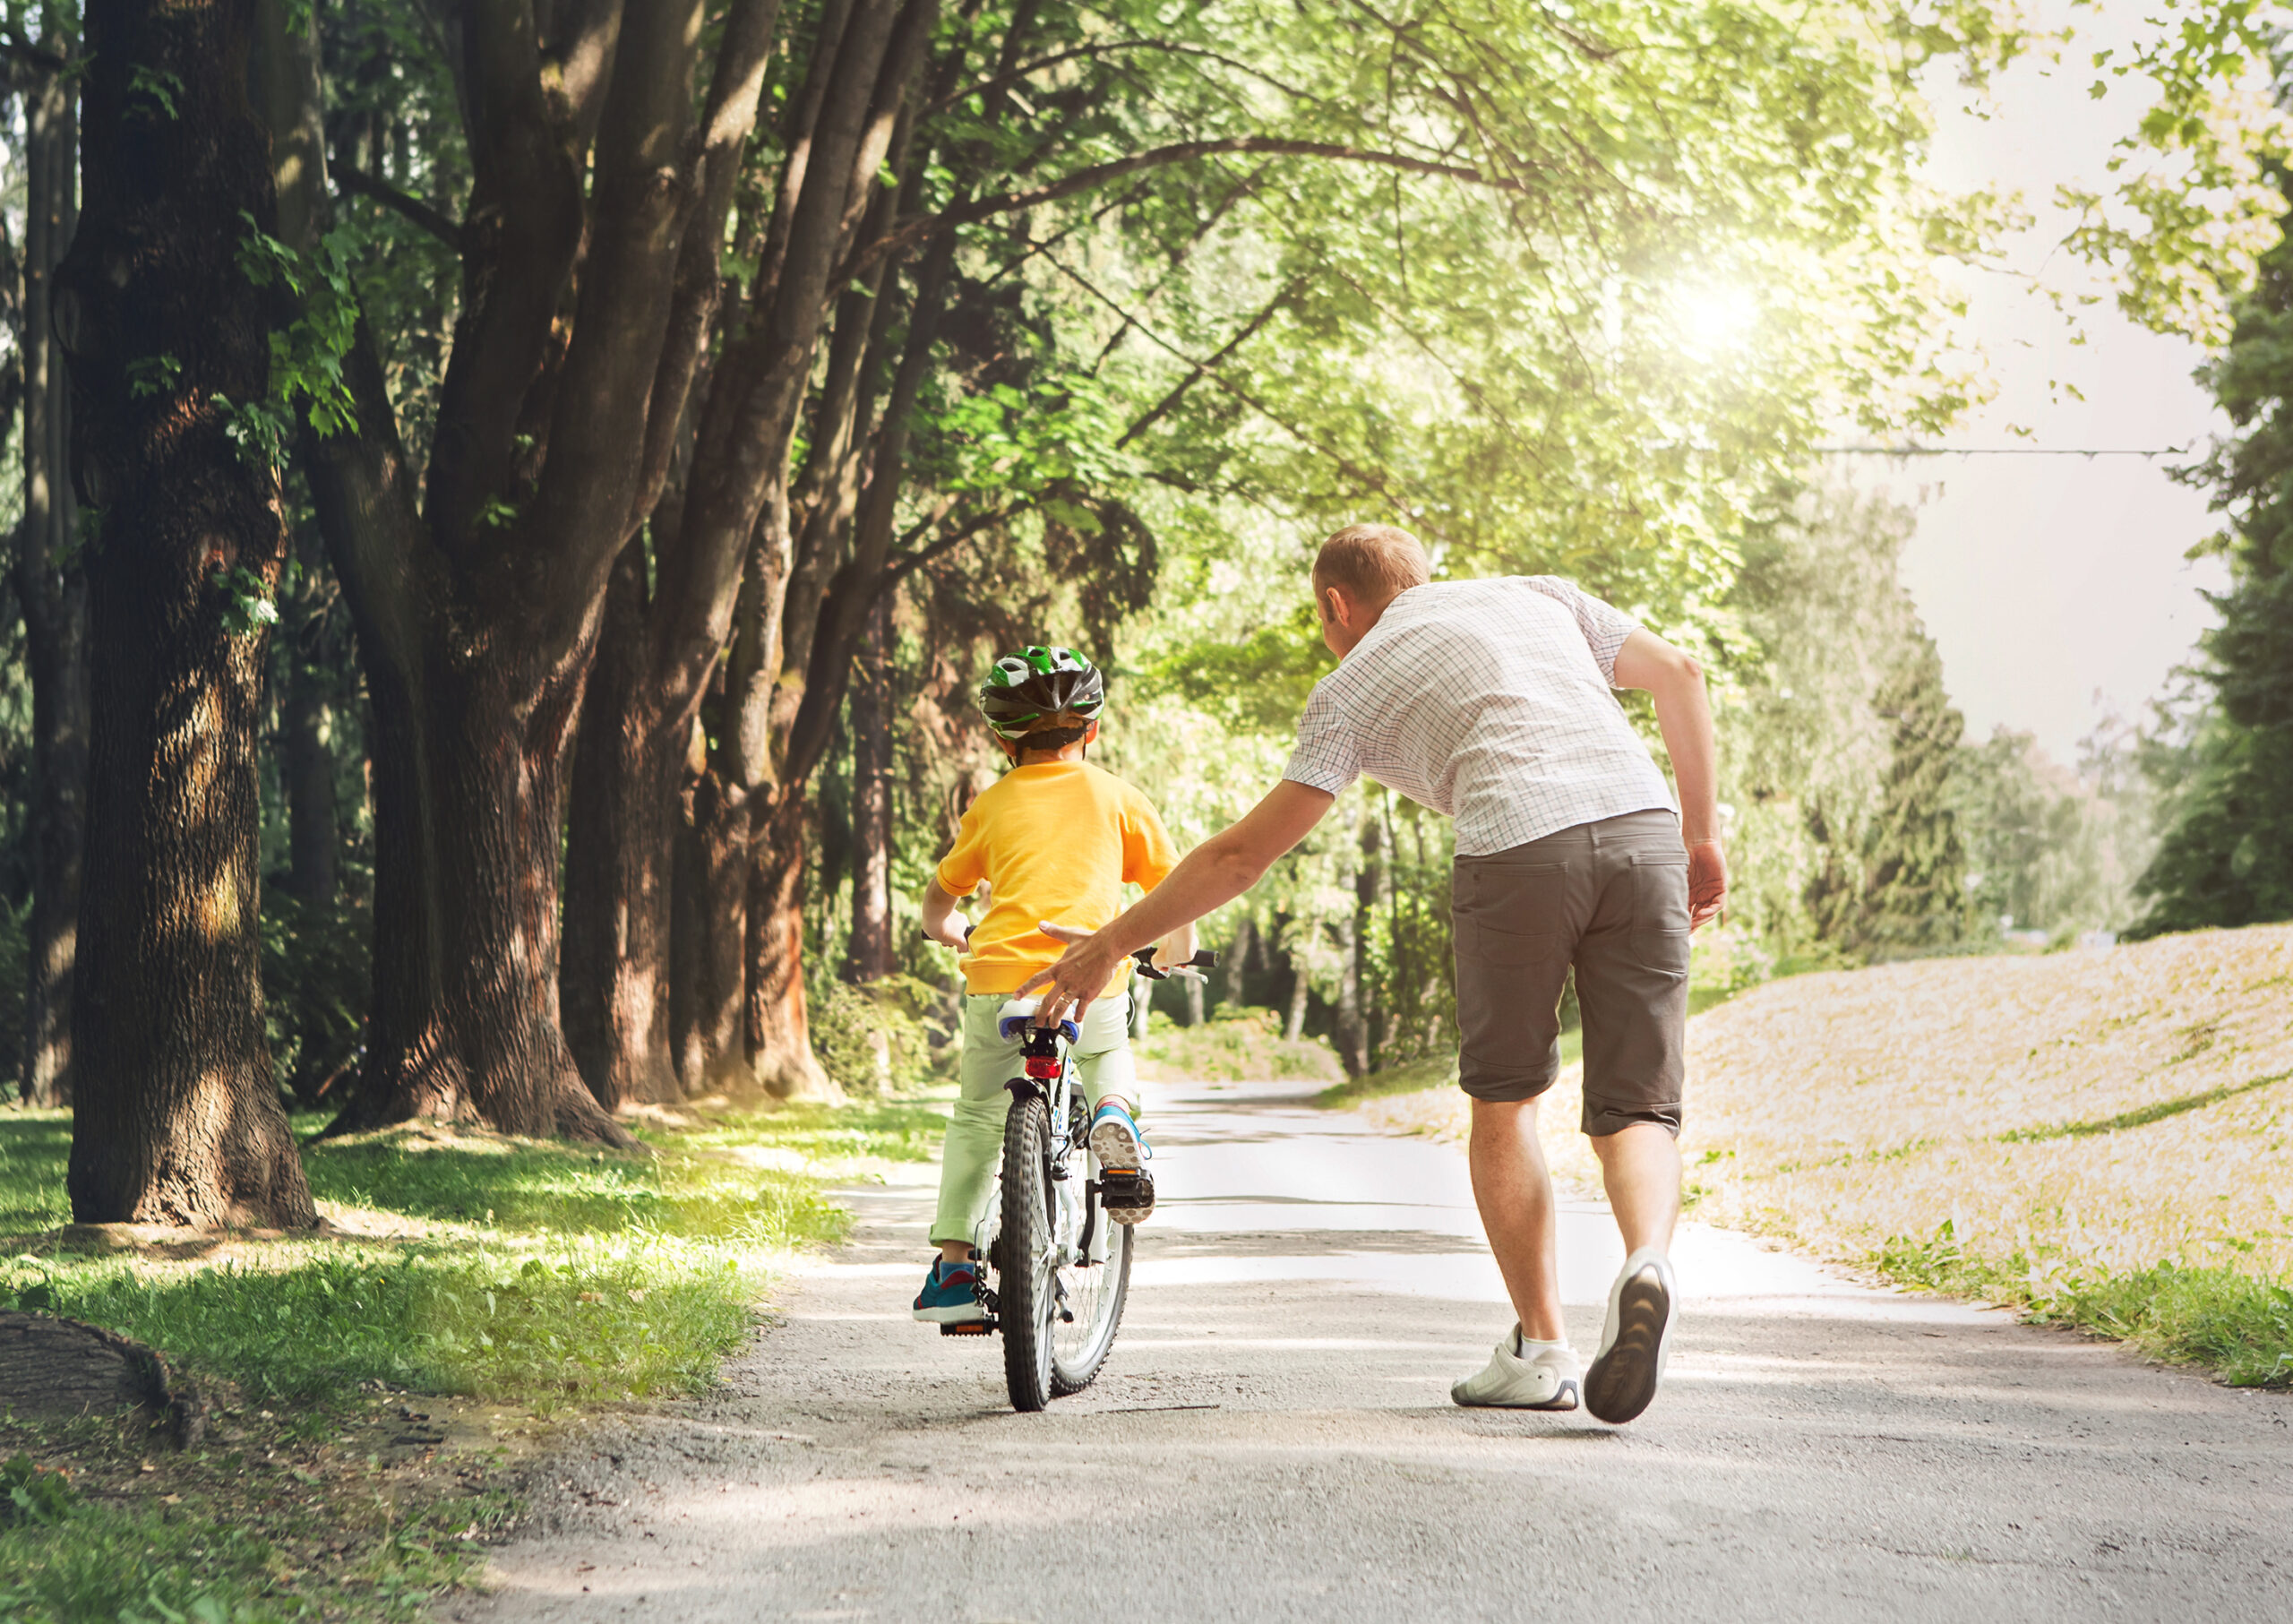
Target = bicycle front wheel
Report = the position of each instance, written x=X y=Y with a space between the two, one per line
x=1089 y=1310
x=1027 y=1296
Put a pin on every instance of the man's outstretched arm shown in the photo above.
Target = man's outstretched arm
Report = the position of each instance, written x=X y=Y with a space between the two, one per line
x=1213 y=875
x=1675 y=681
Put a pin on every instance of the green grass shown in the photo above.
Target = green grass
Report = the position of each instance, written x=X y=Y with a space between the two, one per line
x=2141 y=1116
x=521 y=1274
x=211 y=1559
x=2239 y=1326
x=549 y=1273
x=1418 y=1076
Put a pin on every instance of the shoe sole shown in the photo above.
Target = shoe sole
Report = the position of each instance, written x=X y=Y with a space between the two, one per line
x=1118 y=1152
x=1563 y=1397
x=961 y=1313
x=1622 y=1382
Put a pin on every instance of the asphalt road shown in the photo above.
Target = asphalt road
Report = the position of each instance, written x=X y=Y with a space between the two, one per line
x=1273 y=1439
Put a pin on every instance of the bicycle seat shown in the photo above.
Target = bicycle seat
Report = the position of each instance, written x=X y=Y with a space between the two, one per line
x=1017 y=1014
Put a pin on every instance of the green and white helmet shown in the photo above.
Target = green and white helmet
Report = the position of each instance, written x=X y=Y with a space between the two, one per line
x=1024 y=689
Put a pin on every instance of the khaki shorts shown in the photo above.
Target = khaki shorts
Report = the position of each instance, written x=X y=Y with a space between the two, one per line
x=1609 y=898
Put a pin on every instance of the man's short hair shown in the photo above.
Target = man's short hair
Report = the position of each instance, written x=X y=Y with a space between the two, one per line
x=1372 y=562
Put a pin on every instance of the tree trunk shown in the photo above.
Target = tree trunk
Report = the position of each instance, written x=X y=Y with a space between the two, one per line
x=871 y=955
x=711 y=915
x=1295 y=1027
x=779 y=1035
x=53 y=592
x=176 y=1117
x=618 y=858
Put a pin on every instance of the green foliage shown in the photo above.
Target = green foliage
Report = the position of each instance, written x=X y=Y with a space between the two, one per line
x=2226 y=853
x=247 y=604
x=2238 y=1326
x=1838 y=744
x=1238 y=1045
x=156 y=88
x=34 y=1494
x=317 y=976
x=874 y=1039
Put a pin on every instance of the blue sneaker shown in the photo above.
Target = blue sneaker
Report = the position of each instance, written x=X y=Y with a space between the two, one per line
x=1128 y=1188
x=950 y=1294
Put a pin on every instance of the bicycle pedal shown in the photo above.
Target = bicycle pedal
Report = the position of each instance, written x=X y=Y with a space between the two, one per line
x=969 y=1328
x=1125 y=1190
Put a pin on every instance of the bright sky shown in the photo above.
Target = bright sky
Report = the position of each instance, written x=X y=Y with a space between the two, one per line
x=2056 y=585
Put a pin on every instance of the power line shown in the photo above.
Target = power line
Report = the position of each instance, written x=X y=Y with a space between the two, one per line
x=1999 y=450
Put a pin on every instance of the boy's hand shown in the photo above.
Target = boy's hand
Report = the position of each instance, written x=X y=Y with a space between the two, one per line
x=1080 y=975
x=953 y=932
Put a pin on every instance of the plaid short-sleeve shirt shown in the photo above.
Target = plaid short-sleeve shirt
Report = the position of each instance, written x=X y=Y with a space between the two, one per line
x=1490 y=701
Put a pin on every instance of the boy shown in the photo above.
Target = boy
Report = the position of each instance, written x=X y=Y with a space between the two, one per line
x=1056 y=839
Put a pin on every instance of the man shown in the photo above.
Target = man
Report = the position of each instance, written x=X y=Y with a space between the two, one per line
x=1489 y=700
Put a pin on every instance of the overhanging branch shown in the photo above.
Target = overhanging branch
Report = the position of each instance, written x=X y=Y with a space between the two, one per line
x=909 y=233
x=399 y=203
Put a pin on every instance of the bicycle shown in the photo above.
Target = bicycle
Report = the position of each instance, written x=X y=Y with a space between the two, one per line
x=1061 y=1269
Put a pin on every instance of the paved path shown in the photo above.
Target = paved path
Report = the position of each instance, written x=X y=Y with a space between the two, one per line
x=1273 y=1439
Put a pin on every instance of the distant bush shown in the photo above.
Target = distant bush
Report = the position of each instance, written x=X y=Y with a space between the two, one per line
x=876 y=1039
x=317 y=976
x=1239 y=1046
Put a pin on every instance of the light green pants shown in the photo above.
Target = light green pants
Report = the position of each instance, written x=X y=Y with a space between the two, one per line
x=974 y=1143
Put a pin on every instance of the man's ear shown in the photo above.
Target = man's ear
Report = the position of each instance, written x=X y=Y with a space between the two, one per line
x=1337 y=608
x=1092 y=737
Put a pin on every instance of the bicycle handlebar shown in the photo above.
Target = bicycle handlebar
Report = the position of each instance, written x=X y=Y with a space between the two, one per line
x=1203 y=960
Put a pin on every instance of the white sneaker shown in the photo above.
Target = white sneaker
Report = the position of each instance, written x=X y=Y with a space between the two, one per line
x=1544 y=1380
x=1636 y=1341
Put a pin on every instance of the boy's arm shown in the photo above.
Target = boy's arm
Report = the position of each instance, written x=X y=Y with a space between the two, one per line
x=943 y=922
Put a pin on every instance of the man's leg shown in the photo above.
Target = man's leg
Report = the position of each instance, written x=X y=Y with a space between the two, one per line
x=1640 y=1168
x=1514 y=1192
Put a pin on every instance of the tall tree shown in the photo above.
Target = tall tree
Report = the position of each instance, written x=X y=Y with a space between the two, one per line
x=2226 y=857
x=176 y=1118
x=50 y=587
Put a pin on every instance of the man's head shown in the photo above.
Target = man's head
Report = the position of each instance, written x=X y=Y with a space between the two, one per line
x=1043 y=701
x=1359 y=571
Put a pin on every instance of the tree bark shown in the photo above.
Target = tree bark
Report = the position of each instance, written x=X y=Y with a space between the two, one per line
x=618 y=859
x=176 y=1117
x=780 y=1059
x=52 y=590
x=871 y=955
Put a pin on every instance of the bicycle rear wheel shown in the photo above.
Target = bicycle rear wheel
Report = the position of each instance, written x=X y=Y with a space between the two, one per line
x=1026 y=1296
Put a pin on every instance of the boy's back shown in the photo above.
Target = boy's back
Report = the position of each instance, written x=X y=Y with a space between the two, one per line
x=1053 y=840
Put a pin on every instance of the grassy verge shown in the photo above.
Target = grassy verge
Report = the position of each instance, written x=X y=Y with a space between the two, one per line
x=1238 y=1046
x=2099 y=1139
x=370 y=1383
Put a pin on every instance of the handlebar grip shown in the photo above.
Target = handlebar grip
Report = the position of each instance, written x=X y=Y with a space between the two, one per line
x=1203 y=960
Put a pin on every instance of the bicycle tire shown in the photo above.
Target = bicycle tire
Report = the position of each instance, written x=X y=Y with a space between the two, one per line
x=1025 y=1295
x=1072 y=1374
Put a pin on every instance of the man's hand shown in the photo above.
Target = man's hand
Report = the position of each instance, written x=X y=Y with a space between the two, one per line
x=1707 y=882
x=1080 y=975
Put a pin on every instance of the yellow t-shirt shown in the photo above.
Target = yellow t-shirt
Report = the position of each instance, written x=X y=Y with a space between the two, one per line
x=1054 y=840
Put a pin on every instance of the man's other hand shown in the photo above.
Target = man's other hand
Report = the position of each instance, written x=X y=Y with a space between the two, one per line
x=1707 y=882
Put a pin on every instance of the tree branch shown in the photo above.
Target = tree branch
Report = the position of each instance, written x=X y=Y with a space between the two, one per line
x=909 y=233
x=1202 y=369
x=373 y=187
